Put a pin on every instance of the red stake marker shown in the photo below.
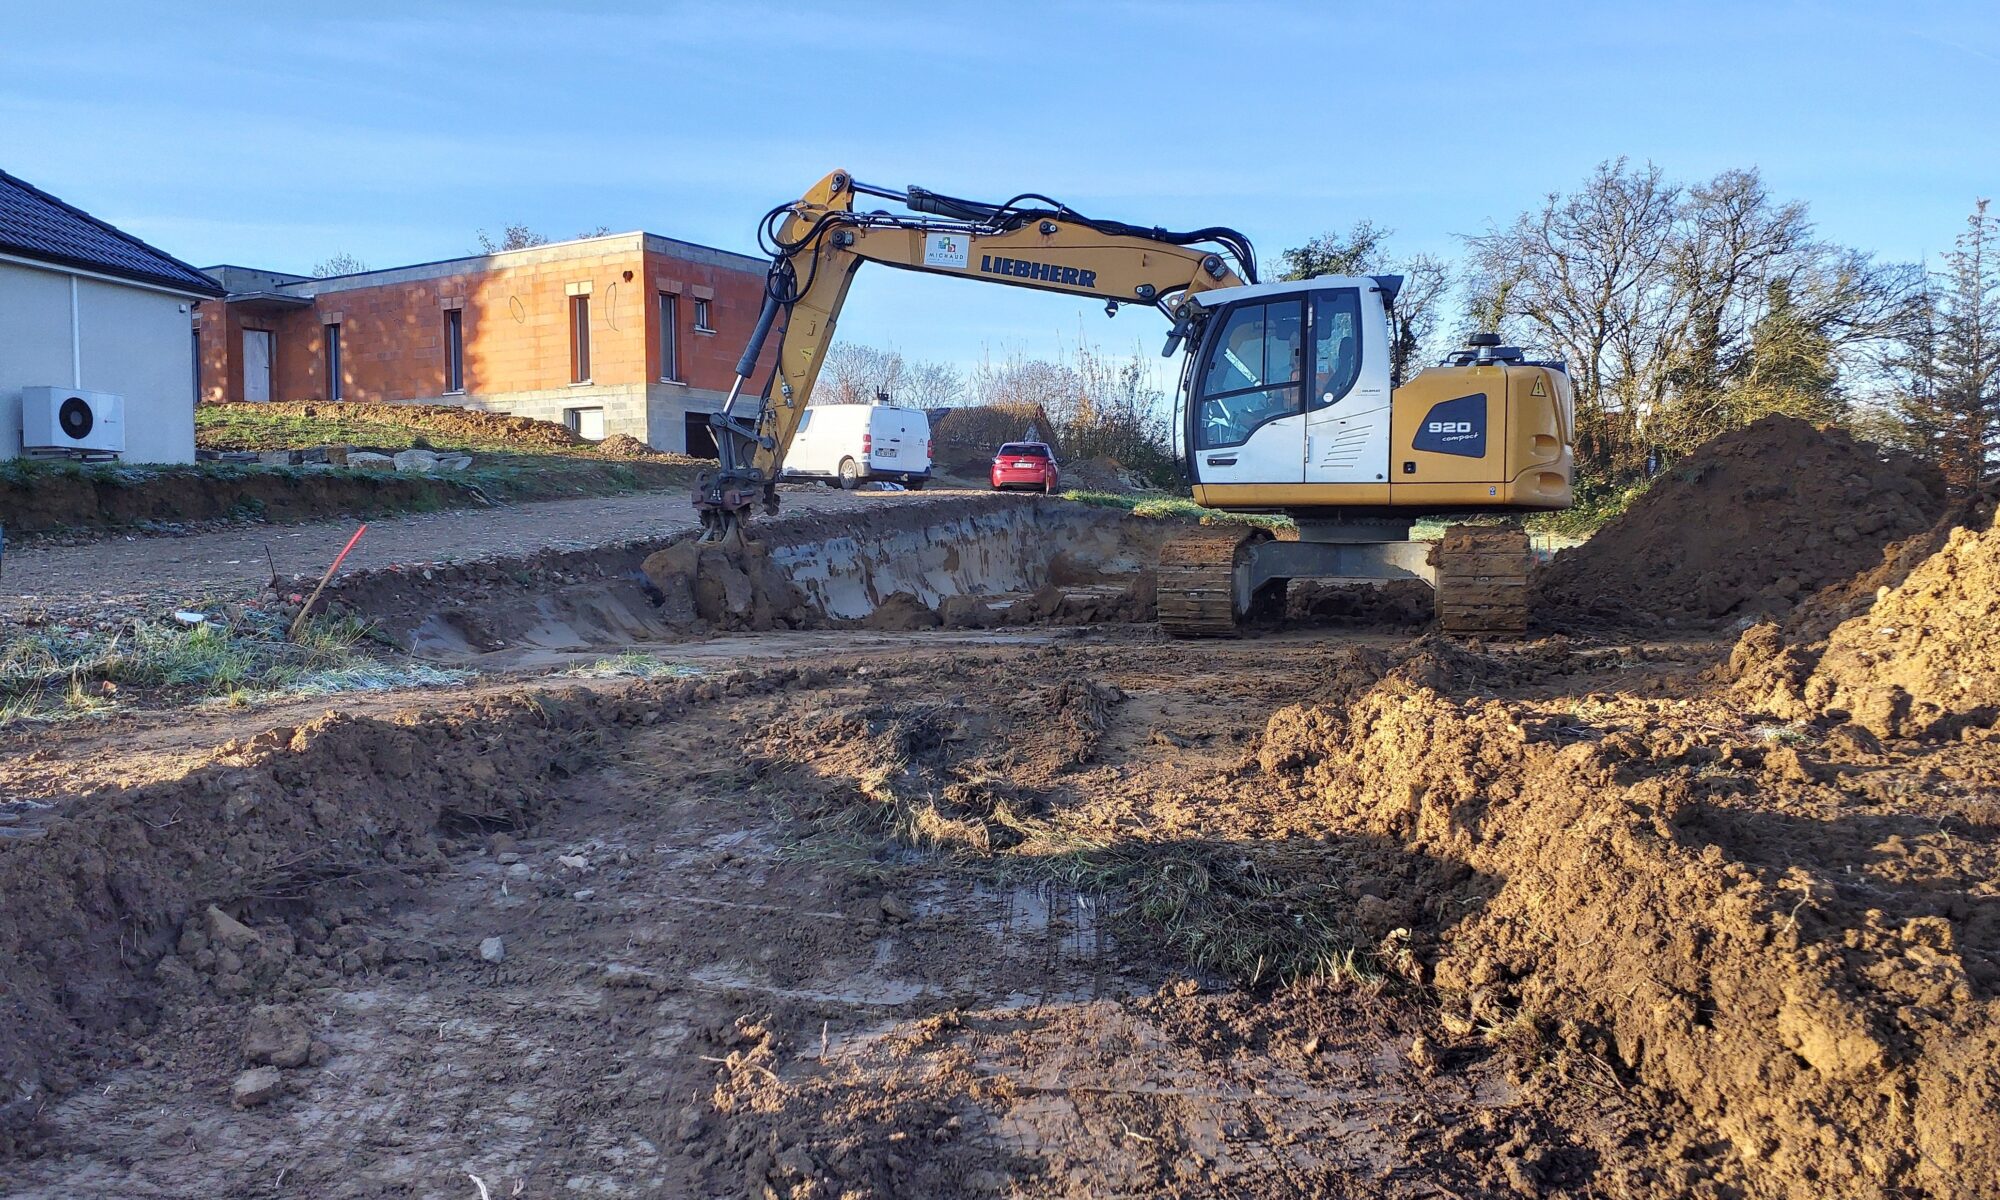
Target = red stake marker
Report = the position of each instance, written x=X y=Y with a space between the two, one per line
x=300 y=620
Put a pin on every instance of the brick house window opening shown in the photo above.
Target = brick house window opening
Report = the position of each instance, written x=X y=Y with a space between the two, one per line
x=701 y=317
x=670 y=337
x=454 y=350
x=333 y=387
x=586 y=423
x=579 y=339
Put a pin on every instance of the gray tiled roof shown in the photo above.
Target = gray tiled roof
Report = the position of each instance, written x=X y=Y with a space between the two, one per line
x=34 y=224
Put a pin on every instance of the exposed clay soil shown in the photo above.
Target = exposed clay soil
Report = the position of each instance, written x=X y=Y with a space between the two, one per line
x=1340 y=913
x=1747 y=525
x=1921 y=660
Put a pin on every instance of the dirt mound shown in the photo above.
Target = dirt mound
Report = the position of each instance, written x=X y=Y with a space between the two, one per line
x=1746 y=525
x=113 y=907
x=625 y=448
x=902 y=610
x=729 y=585
x=1711 y=918
x=1922 y=660
x=1406 y=602
x=446 y=423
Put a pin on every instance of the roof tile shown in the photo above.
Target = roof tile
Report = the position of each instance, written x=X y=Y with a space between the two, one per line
x=34 y=224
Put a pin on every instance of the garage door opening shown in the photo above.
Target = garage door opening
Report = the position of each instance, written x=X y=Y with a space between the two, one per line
x=700 y=436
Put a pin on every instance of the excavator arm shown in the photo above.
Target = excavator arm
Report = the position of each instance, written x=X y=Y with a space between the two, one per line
x=820 y=241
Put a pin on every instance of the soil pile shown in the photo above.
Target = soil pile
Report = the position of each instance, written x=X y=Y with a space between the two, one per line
x=1923 y=659
x=447 y=423
x=1746 y=525
x=114 y=908
x=623 y=447
x=1712 y=917
x=730 y=584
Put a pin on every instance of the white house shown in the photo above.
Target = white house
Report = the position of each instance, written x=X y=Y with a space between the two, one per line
x=96 y=331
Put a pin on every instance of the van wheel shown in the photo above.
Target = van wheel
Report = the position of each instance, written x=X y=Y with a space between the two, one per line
x=850 y=475
x=915 y=485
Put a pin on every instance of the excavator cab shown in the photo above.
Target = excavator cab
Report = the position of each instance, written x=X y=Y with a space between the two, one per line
x=1289 y=387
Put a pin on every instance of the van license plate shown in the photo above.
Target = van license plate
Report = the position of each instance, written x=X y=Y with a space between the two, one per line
x=885 y=452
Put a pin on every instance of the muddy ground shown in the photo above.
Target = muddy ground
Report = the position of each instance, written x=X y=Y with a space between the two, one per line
x=1054 y=907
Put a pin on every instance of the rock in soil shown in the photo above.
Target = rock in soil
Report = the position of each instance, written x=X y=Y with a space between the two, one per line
x=278 y=1035
x=255 y=1087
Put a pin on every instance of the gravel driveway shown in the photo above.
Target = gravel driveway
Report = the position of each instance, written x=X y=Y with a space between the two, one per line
x=125 y=575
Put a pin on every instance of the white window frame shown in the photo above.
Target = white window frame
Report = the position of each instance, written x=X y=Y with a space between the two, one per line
x=703 y=309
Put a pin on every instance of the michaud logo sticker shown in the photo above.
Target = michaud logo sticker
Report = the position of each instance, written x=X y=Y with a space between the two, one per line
x=946 y=249
x=1455 y=427
x=1021 y=268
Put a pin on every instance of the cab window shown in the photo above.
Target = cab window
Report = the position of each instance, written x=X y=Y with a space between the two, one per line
x=1336 y=345
x=1251 y=374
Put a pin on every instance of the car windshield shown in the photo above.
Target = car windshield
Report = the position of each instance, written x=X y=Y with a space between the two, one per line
x=1023 y=450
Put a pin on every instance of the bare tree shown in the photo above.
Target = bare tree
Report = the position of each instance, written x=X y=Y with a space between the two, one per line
x=1586 y=274
x=342 y=263
x=857 y=374
x=931 y=385
x=514 y=237
x=1686 y=311
x=1363 y=250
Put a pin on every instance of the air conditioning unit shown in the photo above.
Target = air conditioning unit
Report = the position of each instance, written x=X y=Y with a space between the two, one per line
x=54 y=418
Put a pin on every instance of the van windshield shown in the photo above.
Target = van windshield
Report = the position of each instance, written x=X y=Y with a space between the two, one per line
x=1024 y=450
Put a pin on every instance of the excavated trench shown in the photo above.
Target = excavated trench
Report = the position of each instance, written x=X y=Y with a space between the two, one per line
x=966 y=562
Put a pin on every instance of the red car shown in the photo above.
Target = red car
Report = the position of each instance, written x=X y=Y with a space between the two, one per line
x=1026 y=465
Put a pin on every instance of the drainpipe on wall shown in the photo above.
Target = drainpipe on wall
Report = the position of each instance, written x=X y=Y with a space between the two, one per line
x=75 y=337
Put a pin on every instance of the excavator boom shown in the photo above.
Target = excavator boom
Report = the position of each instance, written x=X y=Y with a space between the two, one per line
x=819 y=242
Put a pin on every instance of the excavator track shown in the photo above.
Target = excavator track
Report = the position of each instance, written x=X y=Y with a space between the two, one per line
x=1482 y=581
x=1198 y=579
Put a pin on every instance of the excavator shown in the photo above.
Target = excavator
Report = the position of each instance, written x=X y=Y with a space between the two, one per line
x=1286 y=403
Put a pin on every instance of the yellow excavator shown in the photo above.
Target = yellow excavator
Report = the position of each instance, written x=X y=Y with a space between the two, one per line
x=1286 y=403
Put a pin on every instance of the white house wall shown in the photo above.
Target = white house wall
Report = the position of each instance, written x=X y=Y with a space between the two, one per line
x=135 y=342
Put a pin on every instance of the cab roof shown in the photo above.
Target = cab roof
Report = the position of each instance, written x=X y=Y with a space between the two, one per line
x=1389 y=285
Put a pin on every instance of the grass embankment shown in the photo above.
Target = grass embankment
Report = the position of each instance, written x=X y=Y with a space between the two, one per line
x=57 y=674
x=513 y=459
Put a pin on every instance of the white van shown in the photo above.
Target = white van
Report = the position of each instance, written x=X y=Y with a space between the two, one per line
x=850 y=444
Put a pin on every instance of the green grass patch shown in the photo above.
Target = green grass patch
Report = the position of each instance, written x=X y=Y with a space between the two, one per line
x=1594 y=507
x=1177 y=507
x=53 y=675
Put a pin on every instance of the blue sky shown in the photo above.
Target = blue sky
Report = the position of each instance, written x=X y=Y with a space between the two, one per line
x=275 y=135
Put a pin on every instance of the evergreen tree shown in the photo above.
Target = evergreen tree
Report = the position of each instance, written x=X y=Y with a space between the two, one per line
x=1966 y=403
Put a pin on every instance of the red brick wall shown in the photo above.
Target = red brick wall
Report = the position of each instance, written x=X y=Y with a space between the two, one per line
x=708 y=360
x=516 y=330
